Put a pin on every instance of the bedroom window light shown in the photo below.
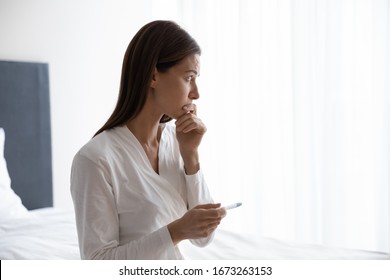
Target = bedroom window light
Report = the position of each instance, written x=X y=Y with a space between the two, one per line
x=300 y=131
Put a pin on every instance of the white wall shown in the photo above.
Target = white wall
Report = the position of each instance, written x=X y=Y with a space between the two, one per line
x=83 y=42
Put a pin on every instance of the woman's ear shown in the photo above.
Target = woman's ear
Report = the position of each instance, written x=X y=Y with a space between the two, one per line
x=154 y=78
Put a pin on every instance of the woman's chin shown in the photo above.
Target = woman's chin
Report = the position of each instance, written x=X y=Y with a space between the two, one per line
x=177 y=115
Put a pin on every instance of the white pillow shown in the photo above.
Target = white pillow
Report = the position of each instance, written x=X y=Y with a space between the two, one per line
x=11 y=206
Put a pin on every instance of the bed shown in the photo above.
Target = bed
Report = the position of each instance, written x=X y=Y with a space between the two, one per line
x=31 y=228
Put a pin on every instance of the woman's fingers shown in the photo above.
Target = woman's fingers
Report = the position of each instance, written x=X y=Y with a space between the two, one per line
x=219 y=212
x=207 y=215
x=189 y=122
x=189 y=115
x=205 y=230
x=189 y=133
x=190 y=108
x=211 y=211
x=209 y=218
x=199 y=222
x=190 y=125
x=208 y=206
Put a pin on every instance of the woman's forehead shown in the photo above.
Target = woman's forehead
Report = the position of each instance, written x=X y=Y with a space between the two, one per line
x=190 y=63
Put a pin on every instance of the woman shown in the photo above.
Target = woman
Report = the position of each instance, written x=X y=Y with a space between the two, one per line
x=137 y=186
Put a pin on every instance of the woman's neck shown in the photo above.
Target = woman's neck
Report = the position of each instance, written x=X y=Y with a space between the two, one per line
x=147 y=129
x=146 y=126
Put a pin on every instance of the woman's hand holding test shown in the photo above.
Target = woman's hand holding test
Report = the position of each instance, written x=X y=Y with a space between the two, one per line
x=199 y=222
x=189 y=132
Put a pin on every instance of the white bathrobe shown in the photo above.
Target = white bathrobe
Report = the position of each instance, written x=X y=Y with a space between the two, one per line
x=122 y=205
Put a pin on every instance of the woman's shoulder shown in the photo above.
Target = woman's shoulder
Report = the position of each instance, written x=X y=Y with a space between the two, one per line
x=100 y=147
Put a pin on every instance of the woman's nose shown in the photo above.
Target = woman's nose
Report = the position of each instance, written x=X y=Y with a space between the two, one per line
x=194 y=93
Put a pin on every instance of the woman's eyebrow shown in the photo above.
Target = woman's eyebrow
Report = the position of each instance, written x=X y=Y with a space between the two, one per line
x=193 y=71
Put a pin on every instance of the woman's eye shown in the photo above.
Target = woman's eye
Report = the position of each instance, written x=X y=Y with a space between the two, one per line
x=189 y=78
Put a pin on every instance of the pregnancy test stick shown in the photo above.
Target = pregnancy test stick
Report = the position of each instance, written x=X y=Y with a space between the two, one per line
x=232 y=206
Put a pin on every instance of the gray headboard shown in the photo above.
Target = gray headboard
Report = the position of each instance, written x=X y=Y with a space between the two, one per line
x=25 y=117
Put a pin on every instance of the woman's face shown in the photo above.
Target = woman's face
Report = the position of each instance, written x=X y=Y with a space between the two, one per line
x=176 y=87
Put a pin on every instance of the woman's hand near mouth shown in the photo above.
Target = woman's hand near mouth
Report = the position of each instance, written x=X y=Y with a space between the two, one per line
x=189 y=133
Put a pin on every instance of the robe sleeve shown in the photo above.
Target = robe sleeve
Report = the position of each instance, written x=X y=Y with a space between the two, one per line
x=198 y=193
x=98 y=223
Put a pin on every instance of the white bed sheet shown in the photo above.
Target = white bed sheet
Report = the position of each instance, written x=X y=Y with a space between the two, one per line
x=50 y=233
x=233 y=245
x=47 y=234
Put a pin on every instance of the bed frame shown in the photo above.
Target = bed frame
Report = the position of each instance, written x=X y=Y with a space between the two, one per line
x=25 y=117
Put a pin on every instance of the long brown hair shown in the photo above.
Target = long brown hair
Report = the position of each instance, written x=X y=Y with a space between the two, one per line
x=160 y=44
